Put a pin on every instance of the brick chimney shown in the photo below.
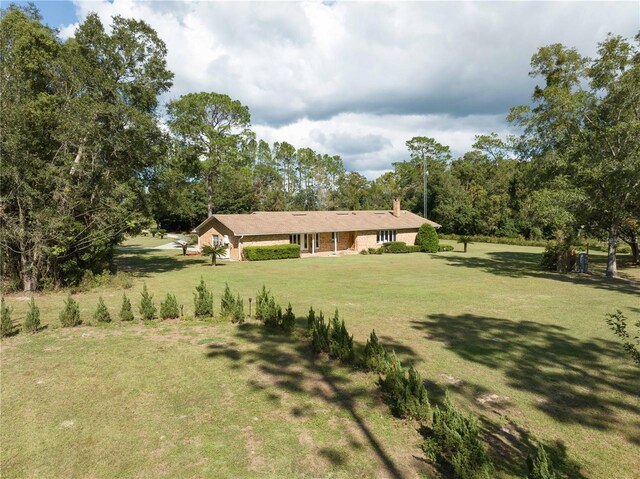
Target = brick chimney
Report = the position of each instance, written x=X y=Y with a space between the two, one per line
x=396 y=207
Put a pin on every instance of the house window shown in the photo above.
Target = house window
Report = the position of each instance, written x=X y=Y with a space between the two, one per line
x=300 y=239
x=216 y=240
x=317 y=238
x=335 y=236
x=385 y=236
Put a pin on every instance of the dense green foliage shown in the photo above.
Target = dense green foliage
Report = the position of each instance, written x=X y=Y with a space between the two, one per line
x=540 y=465
x=169 y=308
x=126 y=312
x=7 y=328
x=70 y=314
x=427 y=238
x=280 y=251
x=32 y=320
x=80 y=132
x=270 y=313
x=147 y=307
x=400 y=247
x=101 y=314
x=202 y=301
x=457 y=441
x=631 y=342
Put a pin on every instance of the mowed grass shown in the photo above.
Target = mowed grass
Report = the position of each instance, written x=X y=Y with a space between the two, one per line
x=527 y=350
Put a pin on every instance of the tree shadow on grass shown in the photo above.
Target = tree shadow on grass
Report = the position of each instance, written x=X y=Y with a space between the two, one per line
x=570 y=377
x=142 y=263
x=527 y=265
x=287 y=364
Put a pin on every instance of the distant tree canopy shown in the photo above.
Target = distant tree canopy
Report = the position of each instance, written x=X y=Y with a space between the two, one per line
x=84 y=161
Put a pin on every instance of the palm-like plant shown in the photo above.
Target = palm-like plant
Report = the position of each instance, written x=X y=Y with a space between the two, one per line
x=216 y=251
x=465 y=239
x=185 y=242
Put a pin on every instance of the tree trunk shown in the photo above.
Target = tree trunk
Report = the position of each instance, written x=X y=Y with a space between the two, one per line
x=612 y=266
x=465 y=247
x=213 y=259
x=210 y=192
x=635 y=260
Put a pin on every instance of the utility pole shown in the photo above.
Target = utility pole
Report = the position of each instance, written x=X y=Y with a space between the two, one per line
x=424 y=169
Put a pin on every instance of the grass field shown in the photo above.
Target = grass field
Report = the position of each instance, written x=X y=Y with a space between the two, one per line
x=526 y=350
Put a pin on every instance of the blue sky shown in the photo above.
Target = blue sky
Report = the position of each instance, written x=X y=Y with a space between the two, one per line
x=55 y=13
x=359 y=79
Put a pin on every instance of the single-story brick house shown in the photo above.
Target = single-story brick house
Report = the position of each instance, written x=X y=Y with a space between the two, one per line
x=314 y=231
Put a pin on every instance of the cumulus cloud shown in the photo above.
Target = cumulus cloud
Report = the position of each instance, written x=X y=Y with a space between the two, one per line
x=365 y=77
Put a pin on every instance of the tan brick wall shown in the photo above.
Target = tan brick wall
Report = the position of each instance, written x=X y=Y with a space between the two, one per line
x=218 y=229
x=367 y=239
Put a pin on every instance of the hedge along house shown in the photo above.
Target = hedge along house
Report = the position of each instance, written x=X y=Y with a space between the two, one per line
x=315 y=231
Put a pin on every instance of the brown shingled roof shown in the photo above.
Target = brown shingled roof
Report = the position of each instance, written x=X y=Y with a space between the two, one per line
x=288 y=222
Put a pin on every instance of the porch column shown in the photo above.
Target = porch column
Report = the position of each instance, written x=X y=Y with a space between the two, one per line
x=335 y=242
x=313 y=244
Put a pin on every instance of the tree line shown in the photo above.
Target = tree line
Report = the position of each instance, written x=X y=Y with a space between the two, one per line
x=88 y=155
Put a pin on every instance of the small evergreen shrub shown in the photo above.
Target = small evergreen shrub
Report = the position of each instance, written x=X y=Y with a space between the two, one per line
x=288 y=320
x=6 y=323
x=320 y=335
x=263 y=253
x=540 y=465
x=395 y=247
x=375 y=358
x=445 y=247
x=457 y=441
x=203 y=301
x=311 y=318
x=32 y=321
x=375 y=250
x=227 y=302
x=364 y=251
x=169 y=307
x=340 y=342
x=147 y=307
x=70 y=314
x=101 y=314
x=405 y=391
x=126 y=313
x=268 y=311
x=427 y=238
x=162 y=233
x=238 y=315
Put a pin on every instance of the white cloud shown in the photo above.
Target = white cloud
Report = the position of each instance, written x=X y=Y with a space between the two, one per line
x=361 y=73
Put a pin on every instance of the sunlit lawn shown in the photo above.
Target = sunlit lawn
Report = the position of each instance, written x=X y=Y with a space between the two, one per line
x=527 y=350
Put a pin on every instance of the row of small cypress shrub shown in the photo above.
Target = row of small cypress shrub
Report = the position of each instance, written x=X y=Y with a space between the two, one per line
x=69 y=316
x=263 y=253
x=270 y=313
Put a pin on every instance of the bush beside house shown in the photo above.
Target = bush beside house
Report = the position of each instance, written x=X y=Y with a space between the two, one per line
x=263 y=253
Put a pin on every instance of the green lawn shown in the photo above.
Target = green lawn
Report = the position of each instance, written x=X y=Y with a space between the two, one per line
x=526 y=350
x=146 y=242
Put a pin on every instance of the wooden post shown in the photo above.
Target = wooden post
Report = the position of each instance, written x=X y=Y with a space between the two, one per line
x=335 y=242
